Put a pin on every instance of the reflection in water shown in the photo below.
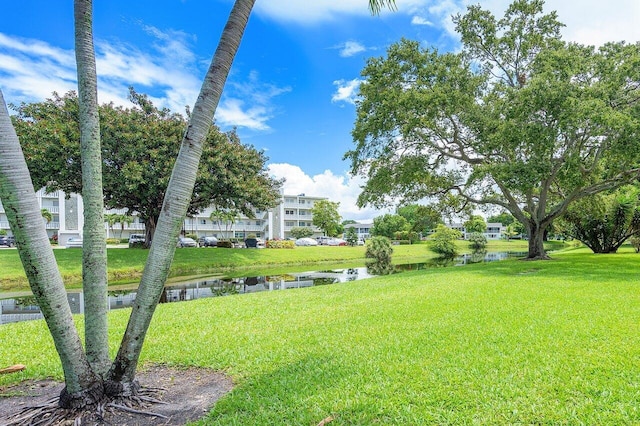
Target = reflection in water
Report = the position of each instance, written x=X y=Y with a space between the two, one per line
x=26 y=308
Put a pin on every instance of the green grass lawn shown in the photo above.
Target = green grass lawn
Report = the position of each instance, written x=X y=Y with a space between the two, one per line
x=125 y=265
x=511 y=342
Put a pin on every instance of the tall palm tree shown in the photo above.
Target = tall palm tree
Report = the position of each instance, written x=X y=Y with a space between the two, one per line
x=36 y=254
x=177 y=196
x=94 y=246
x=375 y=6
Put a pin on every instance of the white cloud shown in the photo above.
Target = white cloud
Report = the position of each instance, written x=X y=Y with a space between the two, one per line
x=591 y=22
x=351 y=48
x=419 y=20
x=306 y=12
x=343 y=189
x=588 y=21
x=233 y=112
x=347 y=90
x=30 y=70
x=248 y=102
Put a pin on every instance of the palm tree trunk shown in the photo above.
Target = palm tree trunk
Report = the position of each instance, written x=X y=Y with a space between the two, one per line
x=94 y=252
x=23 y=211
x=177 y=197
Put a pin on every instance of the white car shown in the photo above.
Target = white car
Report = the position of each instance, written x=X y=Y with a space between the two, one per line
x=336 y=242
x=187 y=242
x=73 y=242
x=306 y=242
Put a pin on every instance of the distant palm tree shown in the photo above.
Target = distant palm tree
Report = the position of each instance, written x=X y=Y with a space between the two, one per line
x=227 y=216
x=46 y=214
x=124 y=219
x=111 y=219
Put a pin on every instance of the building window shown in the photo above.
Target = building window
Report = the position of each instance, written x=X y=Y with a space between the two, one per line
x=301 y=201
x=289 y=212
x=289 y=223
x=203 y=221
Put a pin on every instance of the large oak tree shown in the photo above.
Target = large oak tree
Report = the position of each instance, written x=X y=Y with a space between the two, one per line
x=518 y=119
x=88 y=382
x=139 y=148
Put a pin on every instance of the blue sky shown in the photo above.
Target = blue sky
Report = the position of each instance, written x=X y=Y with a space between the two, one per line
x=293 y=83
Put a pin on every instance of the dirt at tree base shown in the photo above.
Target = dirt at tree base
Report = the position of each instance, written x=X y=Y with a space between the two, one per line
x=188 y=394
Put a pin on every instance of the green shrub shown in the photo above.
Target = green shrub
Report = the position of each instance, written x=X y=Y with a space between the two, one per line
x=477 y=241
x=351 y=236
x=410 y=236
x=113 y=241
x=193 y=236
x=301 y=232
x=635 y=242
x=281 y=244
x=225 y=244
x=443 y=241
x=378 y=253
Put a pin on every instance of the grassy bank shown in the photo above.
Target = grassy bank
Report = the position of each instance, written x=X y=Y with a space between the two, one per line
x=125 y=265
x=554 y=342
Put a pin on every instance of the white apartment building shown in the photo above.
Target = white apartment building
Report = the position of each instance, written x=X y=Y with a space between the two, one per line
x=292 y=211
x=67 y=219
x=363 y=230
x=494 y=231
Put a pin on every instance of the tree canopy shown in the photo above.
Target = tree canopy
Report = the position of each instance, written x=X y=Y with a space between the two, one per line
x=517 y=119
x=388 y=224
x=475 y=223
x=421 y=218
x=326 y=217
x=139 y=149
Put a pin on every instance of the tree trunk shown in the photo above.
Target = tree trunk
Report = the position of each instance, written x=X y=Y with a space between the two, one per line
x=22 y=209
x=176 y=200
x=149 y=231
x=536 y=242
x=94 y=252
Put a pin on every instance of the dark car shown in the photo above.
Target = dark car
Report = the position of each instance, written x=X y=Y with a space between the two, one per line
x=207 y=242
x=8 y=241
x=136 y=240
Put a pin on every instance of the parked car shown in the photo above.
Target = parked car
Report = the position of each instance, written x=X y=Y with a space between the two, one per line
x=8 y=241
x=187 y=242
x=251 y=242
x=323 y=240
x=136 y=240
x=207 y=242
x=73 y=242
x=306 y=242
x=336 y=242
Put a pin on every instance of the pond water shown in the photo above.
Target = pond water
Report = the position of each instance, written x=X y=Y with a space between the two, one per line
x=25 y=308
